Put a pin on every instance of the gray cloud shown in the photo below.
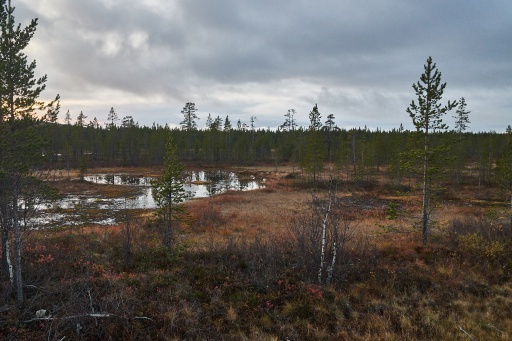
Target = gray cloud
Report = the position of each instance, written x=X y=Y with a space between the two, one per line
x=355 y=59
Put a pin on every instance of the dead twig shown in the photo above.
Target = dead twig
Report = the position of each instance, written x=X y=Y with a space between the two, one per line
x=465 y=332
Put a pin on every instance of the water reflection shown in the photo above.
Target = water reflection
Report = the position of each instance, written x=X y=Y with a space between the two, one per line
x=73 y=209
x=119 y=179
x=207 y=184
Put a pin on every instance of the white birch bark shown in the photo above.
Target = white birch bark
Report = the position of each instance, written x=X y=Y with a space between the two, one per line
x=8 y=260
x=324 y=240
x=17 y=248
x=330 y=270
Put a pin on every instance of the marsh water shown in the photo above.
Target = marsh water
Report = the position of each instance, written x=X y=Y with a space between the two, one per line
x=87 y=208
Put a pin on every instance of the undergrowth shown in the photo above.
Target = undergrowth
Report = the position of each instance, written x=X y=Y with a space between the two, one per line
x=119 y=283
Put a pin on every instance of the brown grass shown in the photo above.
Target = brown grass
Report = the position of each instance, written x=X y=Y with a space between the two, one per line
x=233 y=274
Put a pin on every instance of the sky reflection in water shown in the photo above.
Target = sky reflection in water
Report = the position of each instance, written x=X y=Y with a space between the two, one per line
x=107 y=211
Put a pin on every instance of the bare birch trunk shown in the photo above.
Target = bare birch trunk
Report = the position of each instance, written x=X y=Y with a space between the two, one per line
x=324 y=240
x=8 y=261
x=333 y=262
x=5 y=248
x=17 y=247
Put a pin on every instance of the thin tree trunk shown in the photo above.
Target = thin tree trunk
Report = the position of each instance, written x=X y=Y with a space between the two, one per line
x=324 y=240
x=17 y=247
x=333 y=262
x=168 y=230
x=426 y=188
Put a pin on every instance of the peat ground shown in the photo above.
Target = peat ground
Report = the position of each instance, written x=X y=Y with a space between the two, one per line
x=237 y=271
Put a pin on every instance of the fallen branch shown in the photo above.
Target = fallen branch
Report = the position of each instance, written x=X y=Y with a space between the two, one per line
x=465 y=332
x=93 y=315
x=143 y=318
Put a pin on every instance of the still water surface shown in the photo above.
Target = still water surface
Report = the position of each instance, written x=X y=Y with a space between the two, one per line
x=79 y=209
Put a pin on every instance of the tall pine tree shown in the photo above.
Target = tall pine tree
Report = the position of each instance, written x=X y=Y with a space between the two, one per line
x=313 y=158
x=427 y=117
x=20 y=144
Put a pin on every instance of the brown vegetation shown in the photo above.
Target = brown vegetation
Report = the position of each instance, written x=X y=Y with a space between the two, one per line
x=237 y=273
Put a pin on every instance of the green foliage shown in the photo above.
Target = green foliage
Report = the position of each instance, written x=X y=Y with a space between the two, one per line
x=475 y=245
x=504 y=173
x=427 y=117
x=189 y=117
x=20 y=144
x=504 y=165
x=289 y=123
x=427 y=114
x=168 y=191
x=461 y=117
x=391 y=210
x=313 y=158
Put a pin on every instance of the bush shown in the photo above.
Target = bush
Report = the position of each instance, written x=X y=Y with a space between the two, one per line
x=482 y=238
x=343 y=254
x=489 y=227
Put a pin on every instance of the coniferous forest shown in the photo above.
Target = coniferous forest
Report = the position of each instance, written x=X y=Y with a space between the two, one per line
x=354 y=153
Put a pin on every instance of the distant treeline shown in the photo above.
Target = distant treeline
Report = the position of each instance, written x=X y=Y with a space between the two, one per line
x=354 y=153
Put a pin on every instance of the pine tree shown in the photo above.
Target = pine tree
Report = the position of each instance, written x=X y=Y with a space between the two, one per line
x=209 y=121
x=217 y=124
x=67 y=118
x=112 y=118
x=227 y=124
x=461 y=117
x=330 y=127
x=111 y=126
x=289 y=123
x=189 y=117
x=168 y=191
x=312 y=160
x=80 y=120
x=20 y=144
x=461 y=124
x=427 y=117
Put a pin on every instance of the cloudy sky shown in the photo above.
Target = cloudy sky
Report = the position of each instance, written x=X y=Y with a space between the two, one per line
x=356 y=59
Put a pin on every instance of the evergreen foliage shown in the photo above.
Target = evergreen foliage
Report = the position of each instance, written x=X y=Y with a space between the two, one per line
x=427 y=117
x=313 y=158
x=461 y=124
x=168 y=191
x=20 y=143
x=189 y=117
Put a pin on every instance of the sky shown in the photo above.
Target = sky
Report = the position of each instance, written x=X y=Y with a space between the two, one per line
x=356 y=59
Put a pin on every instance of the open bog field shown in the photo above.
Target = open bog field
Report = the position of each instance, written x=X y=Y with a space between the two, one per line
x=245 y=266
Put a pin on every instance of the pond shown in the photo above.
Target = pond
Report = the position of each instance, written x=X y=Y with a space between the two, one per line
x=80 y=209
